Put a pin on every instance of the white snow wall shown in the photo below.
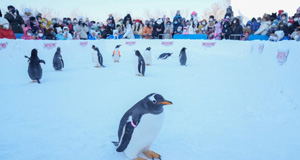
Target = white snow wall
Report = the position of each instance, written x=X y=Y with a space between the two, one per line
x=288 y=74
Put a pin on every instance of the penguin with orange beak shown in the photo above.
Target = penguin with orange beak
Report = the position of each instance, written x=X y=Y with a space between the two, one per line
x=139 y=127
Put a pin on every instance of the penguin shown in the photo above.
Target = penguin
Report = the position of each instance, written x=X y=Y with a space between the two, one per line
x=164 y=55
x=58 y=62
x=35 y=71
x=182 y=57
x=141 y=67
x=97 y=57
x=140 y=125
x=148 y=56
x=116 y=54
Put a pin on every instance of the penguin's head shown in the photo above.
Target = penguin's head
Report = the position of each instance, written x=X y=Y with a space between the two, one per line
x=155 y=102
x=34 y=53
x=137 y=53
x=118 y=46
x=184 y=48
x=149 y=48
x=93 y=47
x=58 y=49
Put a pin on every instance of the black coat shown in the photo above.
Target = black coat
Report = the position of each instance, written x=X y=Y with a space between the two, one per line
x=156 y=33
x=15 y=22
x=128 y=17
x=226 y=30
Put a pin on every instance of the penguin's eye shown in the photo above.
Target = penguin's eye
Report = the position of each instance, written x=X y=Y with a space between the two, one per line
x=154 y=101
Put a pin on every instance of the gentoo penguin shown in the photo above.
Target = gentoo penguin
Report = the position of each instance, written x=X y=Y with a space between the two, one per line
x=116 y=54
x=35 y=71
x=58 y=62
x=140 y=65
x=147 y=56
x=139 y=127
x=164 y=55
x=182 y=57
x=97 y=57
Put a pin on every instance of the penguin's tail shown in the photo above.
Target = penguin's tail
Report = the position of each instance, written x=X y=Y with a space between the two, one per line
x=115 y=143
x=38 y=81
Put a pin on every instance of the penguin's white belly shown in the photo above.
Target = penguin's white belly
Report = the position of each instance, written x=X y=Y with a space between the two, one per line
x=95 y=58
x=144 y=134
x=148 y=58
x=116 y=57
x=136 y=64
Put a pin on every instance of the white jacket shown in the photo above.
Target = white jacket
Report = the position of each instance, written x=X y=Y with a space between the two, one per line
x=128 y=32
x=263 y=29
x=280 y=34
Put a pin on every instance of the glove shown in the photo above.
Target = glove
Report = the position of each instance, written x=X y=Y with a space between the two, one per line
x=17 y=12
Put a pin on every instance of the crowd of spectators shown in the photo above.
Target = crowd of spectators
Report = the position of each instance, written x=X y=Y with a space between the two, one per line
x=37 y=27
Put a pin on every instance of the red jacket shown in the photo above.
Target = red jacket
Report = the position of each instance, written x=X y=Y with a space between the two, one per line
x=7 y=33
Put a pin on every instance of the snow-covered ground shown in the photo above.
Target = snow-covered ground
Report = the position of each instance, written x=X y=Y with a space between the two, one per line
x=231 y=102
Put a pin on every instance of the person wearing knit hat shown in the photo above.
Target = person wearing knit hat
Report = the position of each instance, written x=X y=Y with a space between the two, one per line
x=5 y=32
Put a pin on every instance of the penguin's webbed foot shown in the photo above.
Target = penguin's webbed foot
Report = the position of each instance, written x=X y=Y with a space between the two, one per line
x=139 y=74
x=32 y=81
x=152 y=155
x=139 y=158
x=97 y=66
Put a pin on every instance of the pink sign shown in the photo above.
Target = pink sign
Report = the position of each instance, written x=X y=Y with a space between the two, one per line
x=130 y=43
x=167 y=43
x=282 y=56
x=208 y=44
x=83 y=44
x=49 y=45
x=3 y=45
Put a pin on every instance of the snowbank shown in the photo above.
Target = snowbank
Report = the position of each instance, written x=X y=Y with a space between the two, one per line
x=233 y=100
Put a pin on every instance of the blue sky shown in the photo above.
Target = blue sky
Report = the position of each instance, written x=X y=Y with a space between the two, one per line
x=99 y=9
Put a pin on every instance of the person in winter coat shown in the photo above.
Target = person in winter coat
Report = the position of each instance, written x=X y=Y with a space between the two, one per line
x=82 y=28
x=168 y=28
x=229 y=13
x=92 y=35
x=67 y=34
x=236 y=27
x=296 y=23
x=76 y=36
x=179 y=30
x=128 y=33
x=14 y=19
x=158 y=29
x=27 y=14
x=33 y=24
x=126 y=18
x=218 y=31
x=60 y=35
x=5 y=32
x=211 y=30
x=254 y=25
x=137 y=28
x=282 y=26
x=226 y=30
x=50 y=34
x=177 y=16
x=147 y=30
x=274 y=27
x=202 y=27
x=264 y=27
x=296 y=35
x=27 y=34
x=40 y=34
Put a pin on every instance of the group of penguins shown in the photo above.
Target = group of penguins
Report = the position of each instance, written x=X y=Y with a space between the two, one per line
x=140 y=125
x=35 y=70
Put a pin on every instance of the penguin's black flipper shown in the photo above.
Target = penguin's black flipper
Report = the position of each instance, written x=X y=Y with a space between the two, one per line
x=42 y=61
x=124 y=141
x=26 y=57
